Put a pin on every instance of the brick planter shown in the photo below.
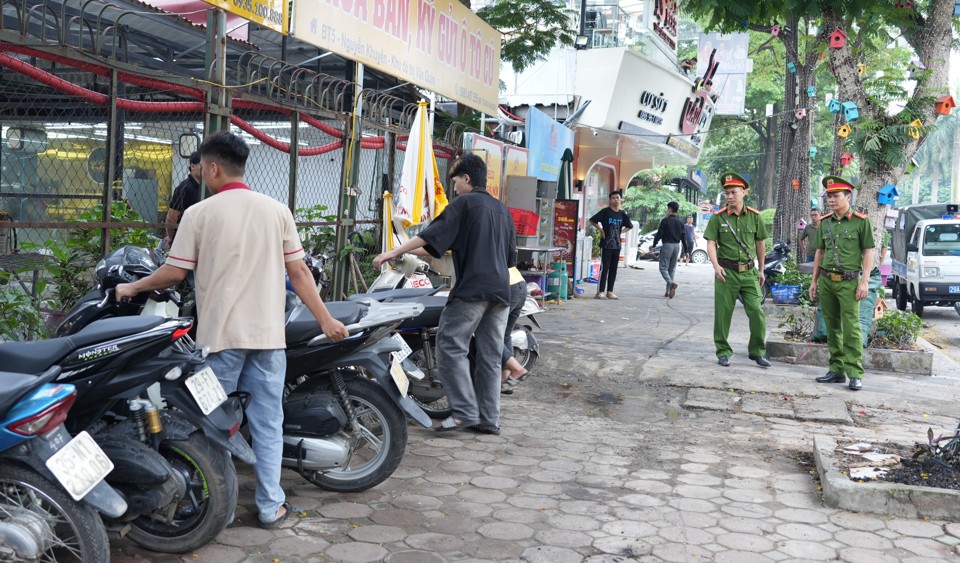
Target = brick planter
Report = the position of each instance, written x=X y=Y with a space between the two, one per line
x=912 y=362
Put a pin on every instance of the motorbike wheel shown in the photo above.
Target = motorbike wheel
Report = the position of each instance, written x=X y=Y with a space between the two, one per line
x=428 y=392
x=72 y=531
x=380 y=441
x=210 y=500
x=526 y=357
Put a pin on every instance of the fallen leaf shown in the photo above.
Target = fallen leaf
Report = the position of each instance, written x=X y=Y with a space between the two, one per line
x=925 y=415
x=863 y=412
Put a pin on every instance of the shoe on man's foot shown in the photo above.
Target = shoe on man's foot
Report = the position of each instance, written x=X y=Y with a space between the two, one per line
x=601 y=295
x=762 y=361
x=724 y=361
x=832 y=377
x=855 y=384
x=612 y=295
x=673 y=290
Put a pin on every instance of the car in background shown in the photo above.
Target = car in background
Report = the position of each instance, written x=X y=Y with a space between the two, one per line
x=698 y=256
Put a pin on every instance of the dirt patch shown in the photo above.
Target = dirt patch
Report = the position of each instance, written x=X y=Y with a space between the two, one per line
x=922 y=473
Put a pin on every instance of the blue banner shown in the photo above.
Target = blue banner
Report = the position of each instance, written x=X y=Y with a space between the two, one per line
x=546 y=139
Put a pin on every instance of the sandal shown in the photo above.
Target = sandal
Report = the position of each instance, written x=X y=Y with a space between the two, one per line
x=492 y=430
x=275 y=523
x=450 y=424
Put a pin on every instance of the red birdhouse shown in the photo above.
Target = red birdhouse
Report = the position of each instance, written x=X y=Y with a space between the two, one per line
x=903 y=4
x=775 y=30
x=796 y=184
x=945 y=104
x=846 y=159
x=837 y=39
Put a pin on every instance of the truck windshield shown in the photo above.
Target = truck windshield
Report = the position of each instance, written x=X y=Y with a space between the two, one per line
x=941 y=240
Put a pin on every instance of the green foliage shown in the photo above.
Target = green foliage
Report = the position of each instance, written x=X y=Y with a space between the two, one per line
x=767 y=217
x=799 y=321
x=530 y=28
x=897 y=329
x=317 y=239
x=792 y=276
x=19 y=315
x=648 y=195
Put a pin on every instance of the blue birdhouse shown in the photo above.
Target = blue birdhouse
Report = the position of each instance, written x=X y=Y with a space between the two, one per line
x=850 y=111
x=833 y=106
x=887 y=194
x=791 y=67
x=813 y=152
x=811 y=91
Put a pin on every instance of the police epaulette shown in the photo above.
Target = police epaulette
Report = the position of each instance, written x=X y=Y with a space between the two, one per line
x=860 y=215
x=721 y=210
x=754 y=210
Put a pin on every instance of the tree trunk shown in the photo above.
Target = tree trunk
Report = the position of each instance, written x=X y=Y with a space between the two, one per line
x=784 y=223
x=916 y=188
x=768 y=168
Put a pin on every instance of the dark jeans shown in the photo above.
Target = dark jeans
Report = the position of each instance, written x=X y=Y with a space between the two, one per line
x=518 y=294
x=609 y=261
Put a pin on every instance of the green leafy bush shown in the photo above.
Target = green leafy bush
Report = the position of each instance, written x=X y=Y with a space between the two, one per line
x=799 y=321
x=20 y=317
x=898 y=330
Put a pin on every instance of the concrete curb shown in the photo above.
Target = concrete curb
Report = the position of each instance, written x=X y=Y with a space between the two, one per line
x=874 y=359
x=878 y=497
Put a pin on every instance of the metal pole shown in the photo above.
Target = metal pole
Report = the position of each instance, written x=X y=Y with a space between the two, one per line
x=109 y=179
x=294 y=159
x=347 y=212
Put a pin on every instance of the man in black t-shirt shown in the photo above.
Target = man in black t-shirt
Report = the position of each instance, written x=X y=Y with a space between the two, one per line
x=611 y=221
x=671 y=233
x=479 y=231
x=184 y=195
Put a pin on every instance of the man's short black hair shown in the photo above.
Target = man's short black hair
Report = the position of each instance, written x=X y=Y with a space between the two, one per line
x=615 y=192
x=228 y=149
x=195 y=157
x=473 y=166
x=673 y=206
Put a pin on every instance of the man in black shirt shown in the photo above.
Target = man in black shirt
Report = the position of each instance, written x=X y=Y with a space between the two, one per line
x=479 y=231
x=184 y=195
x=671 y=232
x=611 y=221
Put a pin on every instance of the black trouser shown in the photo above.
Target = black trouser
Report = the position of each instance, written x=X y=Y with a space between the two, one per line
x=609 y=261
x=518 y=296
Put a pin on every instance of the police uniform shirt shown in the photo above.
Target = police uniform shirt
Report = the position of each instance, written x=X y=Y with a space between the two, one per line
x=748 y=226
x=853 y=234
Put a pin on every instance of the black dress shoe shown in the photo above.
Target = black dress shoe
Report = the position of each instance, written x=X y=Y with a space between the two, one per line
x=724 y=361
x=762 y=361
x=832 y=377
x=855 y=384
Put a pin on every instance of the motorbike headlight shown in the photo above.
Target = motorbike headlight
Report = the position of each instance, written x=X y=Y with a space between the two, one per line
x=931 y=272
x=173 y=374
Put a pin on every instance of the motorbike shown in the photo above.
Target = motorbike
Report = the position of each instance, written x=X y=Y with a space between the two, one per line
x=344 y=402
x=419 y=334
x=774 y=264
x=51 y=485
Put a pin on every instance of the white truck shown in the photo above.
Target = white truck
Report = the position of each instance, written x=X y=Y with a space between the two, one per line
x=925 y=250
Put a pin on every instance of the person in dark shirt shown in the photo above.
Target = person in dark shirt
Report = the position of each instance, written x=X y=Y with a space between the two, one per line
x=689 y=240
x=611 y=221
x=479 y=231
x=184 y=195
x=671 y=233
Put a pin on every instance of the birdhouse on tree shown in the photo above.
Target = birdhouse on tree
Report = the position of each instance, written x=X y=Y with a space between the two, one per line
x=837 y=39
x=914 y=130
x=887 y=194
x=813 y=152
x=811 y=91
x=846 y=159
x=801 y=113
x=879 y=308
x=833 y=106
x=791 y=67
x=775 y=30
x=796 y=184
x=861 y=69
x=850 y=111
x=844 y=131
x=945 y=104
x=903 y=4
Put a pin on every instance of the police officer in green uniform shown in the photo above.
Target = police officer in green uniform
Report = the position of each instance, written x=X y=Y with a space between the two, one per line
x=841 y=270
x=735 y=243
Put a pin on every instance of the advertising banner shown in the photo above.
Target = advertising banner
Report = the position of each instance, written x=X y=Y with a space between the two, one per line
x=515 y=161
x=491 y=150
x=439 y=45
x=730 y=81
x=546 y=140
x=272 y=14
x=565 y=214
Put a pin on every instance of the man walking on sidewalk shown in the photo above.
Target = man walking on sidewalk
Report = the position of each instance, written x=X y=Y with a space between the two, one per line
x=843 y=262
x=671 y=232
x=612 y=222
x=735 y=242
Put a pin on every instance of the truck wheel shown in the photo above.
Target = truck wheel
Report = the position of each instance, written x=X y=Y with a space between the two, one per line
x=917 y=307
x=900 y=293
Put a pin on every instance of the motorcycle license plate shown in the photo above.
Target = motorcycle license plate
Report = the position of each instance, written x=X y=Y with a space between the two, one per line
x=955 y=289
x=206 y=390
x=399 y=377
x=405 y=351
x=80 y=465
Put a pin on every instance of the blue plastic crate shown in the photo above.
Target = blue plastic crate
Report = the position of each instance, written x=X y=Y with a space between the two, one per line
x=786 y=294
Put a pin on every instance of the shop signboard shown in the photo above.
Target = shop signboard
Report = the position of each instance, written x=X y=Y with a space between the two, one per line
x=730 y=80
x=546 y=139
x=662 y=18
x=272 y=14
x=515 y=161
x=565 y=214
x=491 y=150
x=439 y=45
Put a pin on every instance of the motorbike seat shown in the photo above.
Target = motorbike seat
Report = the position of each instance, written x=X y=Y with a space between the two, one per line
x=302 y=325
x=430 y=317
x=13 y=386
x=402 y=293
x=34 y=357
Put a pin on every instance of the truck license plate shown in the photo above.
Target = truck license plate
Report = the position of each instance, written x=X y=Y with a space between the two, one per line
x=405 y=351
x=399 y=377
x=955 y=289
x=80 y=465
x=206 y=390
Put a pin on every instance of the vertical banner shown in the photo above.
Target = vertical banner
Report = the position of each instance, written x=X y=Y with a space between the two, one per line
x=565 y=214
x=730 y=81
x=491 y=151
x=514 y=164
x=546 y=139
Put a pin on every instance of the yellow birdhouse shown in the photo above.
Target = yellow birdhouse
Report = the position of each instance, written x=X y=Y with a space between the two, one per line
x=844 y=131
x=861 y=69
x=914 y=130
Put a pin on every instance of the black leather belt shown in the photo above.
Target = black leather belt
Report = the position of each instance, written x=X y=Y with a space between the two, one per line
x=738 y=266
x=840 y=276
